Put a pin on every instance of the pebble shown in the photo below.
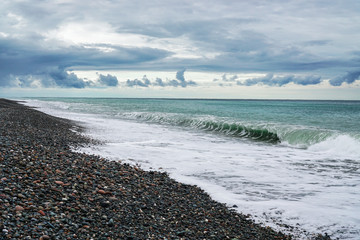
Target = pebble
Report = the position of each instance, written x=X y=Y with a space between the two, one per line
x=101 y=191
x=59 y=182
x=19 y=208
x=105 y=204
x=111 y=223
x=42 y=212
x=45 y=237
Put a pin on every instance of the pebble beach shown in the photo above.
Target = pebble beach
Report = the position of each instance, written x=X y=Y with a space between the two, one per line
x=48 y=191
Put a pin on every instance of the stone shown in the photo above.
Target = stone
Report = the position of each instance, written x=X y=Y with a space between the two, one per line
x=59 y=182
x=45 y=237
x=42 y=212
x=19 y=208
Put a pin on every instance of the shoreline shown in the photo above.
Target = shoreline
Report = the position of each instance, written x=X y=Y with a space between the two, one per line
x=49 y=192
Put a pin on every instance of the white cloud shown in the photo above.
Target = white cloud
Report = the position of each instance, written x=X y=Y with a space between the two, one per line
x=89 y=34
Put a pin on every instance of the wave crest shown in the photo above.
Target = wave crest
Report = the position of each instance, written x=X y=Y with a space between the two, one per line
x=292 y=135
x=240 y=130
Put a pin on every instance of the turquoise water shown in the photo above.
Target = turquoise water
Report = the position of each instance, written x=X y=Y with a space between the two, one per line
x=297 y=123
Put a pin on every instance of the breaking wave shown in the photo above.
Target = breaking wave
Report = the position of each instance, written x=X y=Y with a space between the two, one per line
x=293 y=135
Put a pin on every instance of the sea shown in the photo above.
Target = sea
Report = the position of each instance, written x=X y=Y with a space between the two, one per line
x=291 y=165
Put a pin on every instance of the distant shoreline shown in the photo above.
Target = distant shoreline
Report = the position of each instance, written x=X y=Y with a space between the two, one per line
x=200 y=99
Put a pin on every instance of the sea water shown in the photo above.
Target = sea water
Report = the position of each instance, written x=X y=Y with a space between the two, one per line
x=291 y=165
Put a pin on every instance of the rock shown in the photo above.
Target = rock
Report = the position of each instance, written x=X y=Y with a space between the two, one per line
x=59 y=182
x=45 y=237
x=42 y=212
x=111 y=222
x=19 y=208
x=105 y=204
x=20 y=195
x=101 y=191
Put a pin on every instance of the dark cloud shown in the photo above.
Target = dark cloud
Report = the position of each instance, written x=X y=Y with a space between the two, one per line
x=26 y=59
x=57 y=77
x=349 y=78
x=271 y=80
x=108 y=80
x=62 y=78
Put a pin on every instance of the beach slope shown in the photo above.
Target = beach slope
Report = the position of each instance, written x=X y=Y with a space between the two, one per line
x=48 y=191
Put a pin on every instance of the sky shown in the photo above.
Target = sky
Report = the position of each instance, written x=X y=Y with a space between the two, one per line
x=296 y=49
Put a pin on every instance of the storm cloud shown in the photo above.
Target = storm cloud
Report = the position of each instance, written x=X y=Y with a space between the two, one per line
x=347 y=78
x=28 y=61
x=165 y=35
x=108 y=80
x=62 y=78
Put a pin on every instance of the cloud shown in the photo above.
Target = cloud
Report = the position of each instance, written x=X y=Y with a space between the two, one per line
x=229 y=79
x=144 y=82
x=226 y=81
x=180 y=81
x=225 y=78
x=217 y=38
x=159 y=82
x=108 y=80
x=20 y=58
x=349 y=78
x=59 y=77
x=271 y=80
x=62 y=78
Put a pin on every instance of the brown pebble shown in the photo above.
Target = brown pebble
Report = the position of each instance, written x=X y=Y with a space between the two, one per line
x=19 y=208
x=59 y=182
x=101 y=191
x=44 y=237
x=41 y=212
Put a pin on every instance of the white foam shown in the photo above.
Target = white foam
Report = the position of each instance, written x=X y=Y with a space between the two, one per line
x=342 y=146
x=313 y=189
